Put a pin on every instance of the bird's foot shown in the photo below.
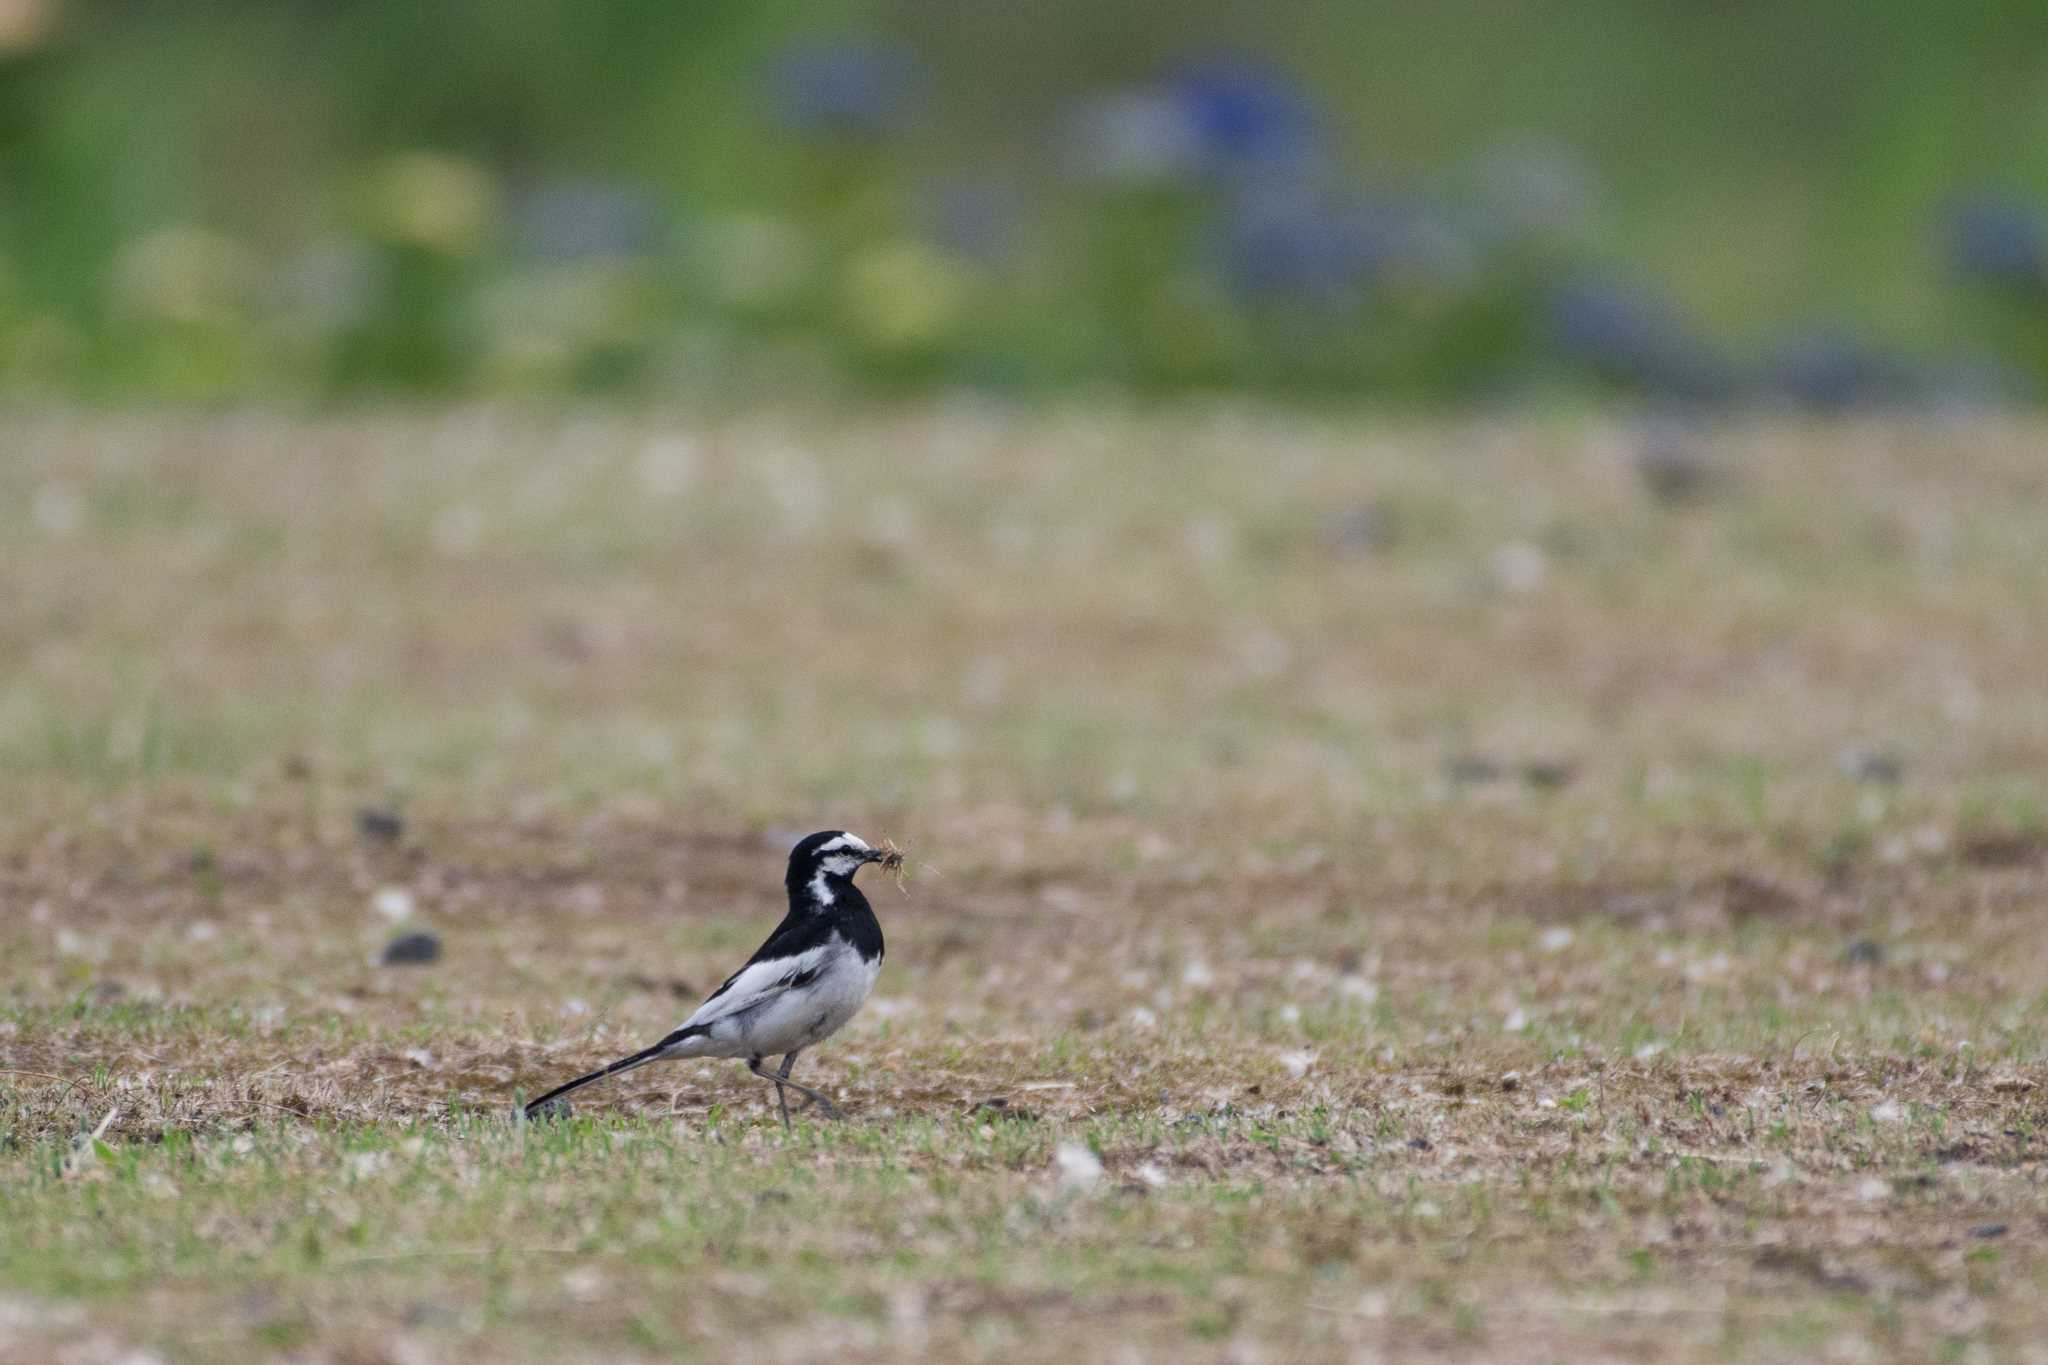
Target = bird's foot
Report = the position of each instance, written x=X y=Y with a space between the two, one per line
x=825 y=1107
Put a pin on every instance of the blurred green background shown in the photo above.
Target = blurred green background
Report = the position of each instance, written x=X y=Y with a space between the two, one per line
x=1829 y=204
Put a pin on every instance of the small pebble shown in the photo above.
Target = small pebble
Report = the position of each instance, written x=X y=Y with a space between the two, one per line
x=377 y=825
x=1864 y=952
x=1672 y=467
x=1869 y=765
x=408 y=950
x=1473 y=769
x=1360 y=531
x=1548 y=774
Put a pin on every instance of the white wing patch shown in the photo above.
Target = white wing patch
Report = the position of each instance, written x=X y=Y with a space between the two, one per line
x=758 y=983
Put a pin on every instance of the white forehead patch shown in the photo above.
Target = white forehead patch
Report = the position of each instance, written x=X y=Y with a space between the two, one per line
x=844 y=843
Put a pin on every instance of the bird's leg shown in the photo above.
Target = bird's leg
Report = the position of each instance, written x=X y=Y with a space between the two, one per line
x=789 y=1061
x=781 y=1099
x=825 y=1106
x=781 y=1094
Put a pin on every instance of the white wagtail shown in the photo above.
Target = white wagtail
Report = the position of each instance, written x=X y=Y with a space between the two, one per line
x=799 y=988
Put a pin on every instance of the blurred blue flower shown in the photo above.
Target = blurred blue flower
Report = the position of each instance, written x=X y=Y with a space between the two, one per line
x=1309 y=242
x=1135 y=137
x=1304 y=245
x=1831 y=369
x=1224 y=118
x=2000 y=240
x=1977 y=383
x=331 y=286
x=1247 y=113
x=571 y=220
x=852 y=87
x=1634 y=336
x=977 y=218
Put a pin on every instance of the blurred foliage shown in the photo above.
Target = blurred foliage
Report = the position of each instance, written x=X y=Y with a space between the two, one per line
x=1833 y=204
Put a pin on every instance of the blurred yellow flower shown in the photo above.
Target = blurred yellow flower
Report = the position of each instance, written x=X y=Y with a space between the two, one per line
x=427 y=199
x=904 y=295
x=753 y=262
x=182 y=274
x=539 y=324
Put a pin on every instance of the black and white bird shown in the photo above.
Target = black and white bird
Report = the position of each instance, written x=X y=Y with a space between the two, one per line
x=799 y=988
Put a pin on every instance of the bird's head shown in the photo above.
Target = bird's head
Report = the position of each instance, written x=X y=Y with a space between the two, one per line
x=823 y=862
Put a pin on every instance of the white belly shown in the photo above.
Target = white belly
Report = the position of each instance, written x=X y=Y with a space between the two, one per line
x=798 y=1018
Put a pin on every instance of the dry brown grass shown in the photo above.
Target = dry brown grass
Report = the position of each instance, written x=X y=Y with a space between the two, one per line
x=1436 y=965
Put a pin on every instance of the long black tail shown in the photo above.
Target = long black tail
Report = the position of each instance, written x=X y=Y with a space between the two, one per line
x=640 y=1058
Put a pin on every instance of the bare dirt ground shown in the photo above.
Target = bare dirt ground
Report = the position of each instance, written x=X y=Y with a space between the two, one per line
x=1379 y=892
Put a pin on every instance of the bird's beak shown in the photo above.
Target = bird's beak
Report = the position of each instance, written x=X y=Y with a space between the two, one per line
x=874 y=855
